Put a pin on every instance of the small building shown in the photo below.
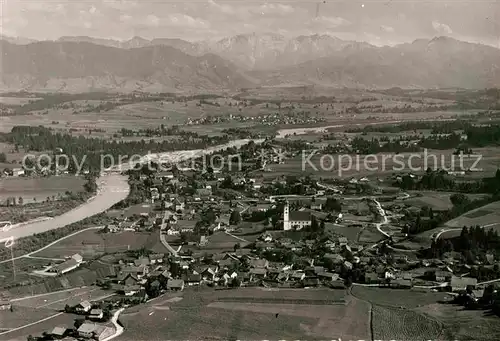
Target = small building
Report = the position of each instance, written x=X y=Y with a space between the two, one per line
x=338 y=284
x=143 y=261
x=58 y=332
x=203 y=241
x=297 y=275
x=259 y=263
x=94 y=331
x=208 y=274
x=401 y=283
x=311 y=282
x=138 y=271
x=192 y=279
x=258 y=273
x=128 y=279
x=71 y=264
x=156 y=258
x=5 y=303
x=96 y=314
x=175 y=285
x=462 y=283
x=371 y=278
x=83 y=307
x=131 y=290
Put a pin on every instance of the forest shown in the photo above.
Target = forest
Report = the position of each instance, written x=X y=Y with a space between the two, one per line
x=89 y=150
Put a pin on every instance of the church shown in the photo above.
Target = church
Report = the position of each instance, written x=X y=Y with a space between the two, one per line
x=296 y=219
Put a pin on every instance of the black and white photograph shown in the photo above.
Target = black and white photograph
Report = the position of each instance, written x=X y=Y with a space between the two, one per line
x=234 y=170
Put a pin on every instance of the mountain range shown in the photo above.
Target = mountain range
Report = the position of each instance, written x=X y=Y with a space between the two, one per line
x=80 y=64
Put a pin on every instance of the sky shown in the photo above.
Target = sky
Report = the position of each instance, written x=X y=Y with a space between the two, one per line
x=379 y=22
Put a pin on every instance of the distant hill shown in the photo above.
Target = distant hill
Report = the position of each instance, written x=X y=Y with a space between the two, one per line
x=437 y=63
x=17 y=40
x=82 y=66
x=248 y=51
x=79 y=64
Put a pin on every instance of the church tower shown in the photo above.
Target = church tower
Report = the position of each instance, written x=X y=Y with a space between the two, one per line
x=286 y=217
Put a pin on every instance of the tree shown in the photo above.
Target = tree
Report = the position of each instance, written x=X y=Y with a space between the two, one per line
x=78 y=323
x=459 y=199
x=235 y=218
x=314 y=224
x=332 y=204
x=235 y=282
x=20 y=200
x=3 y=158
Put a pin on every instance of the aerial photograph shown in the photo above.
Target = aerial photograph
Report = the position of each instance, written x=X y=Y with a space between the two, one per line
x=249 y=170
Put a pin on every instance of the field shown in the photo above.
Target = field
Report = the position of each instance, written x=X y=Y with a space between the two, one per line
x=386 y=164
x=455 y=233
x=398 y=324
x=23 y=269
x=434 y=200
x=486 y=215
x=92 y=243
x=195 y=316
x=29 y=310
x=386 y=297
x=370 y=235
x=23 y=315
x=58 y=300
x=463 y=324
x=39 y=189
x=85 y=276
x=34 y=211
x=17 y=100
x=351 y=233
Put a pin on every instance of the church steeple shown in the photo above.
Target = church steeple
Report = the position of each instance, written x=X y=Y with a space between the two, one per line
x=286 y=217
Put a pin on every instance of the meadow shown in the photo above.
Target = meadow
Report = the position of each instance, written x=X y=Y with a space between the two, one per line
x=92 y=243
x=345 y=166
x=194 y=316
x=483 y=216
x=398 y=324
x=39 y=189
x=18 y=100
x=408 y=299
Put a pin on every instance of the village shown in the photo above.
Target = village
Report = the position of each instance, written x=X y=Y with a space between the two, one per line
x=226 y=230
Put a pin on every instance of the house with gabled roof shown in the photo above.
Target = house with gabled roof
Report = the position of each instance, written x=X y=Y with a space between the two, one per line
x=58 y=332
x=462 y=283
x=83 y=307
x=175 y=285
x=257 y=273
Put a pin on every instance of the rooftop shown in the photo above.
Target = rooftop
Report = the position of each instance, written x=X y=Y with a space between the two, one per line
x=299 y=216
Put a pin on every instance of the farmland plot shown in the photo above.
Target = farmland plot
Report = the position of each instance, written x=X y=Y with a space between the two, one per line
x=399 y=324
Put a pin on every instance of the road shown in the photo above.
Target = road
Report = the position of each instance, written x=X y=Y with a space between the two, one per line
x=30 y=324
x=118 y=328
x=53 y=243
x=384 y=218
x=459 y=229
x=163 y=239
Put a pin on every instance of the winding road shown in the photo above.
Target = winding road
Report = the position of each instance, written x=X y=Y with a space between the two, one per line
x=459 y=229
x=381 y=211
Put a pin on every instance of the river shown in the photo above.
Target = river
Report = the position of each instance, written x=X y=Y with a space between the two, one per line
x=113 y=188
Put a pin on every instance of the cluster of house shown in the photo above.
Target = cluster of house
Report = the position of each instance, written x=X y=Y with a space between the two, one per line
x=86 y=331
x=267 y=119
